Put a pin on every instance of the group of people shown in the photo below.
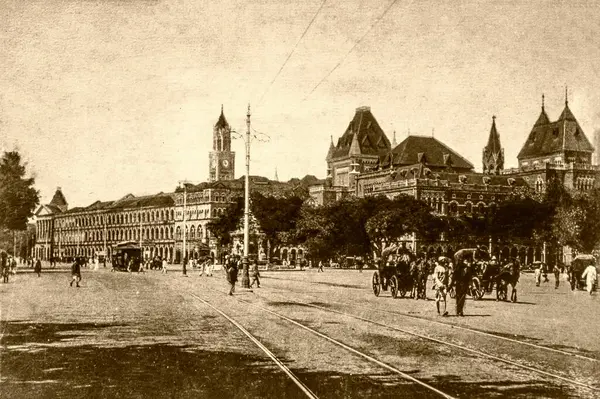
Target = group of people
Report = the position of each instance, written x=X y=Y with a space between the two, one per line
x=447 y=275
x=232 y=267
x=8 y=266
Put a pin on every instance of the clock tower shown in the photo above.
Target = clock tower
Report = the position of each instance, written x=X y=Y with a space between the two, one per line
x=221 y=158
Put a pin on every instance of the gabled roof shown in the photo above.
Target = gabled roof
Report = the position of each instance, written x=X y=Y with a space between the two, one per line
x=553 y=137
x=370 y=138
x=429 y=150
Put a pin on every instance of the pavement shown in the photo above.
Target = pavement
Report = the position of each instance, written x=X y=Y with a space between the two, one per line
x=160 y=335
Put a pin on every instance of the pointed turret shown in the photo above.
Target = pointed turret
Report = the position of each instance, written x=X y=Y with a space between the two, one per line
x=59 y=200
x=355 y=146
x=394 y=143
x=222 y=121
x=543 y=118
x=331 y=151
x=493 y=154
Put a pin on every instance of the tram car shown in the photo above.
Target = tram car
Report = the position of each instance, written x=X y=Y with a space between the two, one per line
x=578 y=265
x=127 y=257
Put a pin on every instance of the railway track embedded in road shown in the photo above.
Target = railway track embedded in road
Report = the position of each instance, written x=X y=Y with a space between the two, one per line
x=447 y=343
x=324 y=336
x=450 y=325
x=270 y=354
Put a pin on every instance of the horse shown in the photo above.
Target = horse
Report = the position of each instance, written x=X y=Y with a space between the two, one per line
x=508 y=275
x=420 y=271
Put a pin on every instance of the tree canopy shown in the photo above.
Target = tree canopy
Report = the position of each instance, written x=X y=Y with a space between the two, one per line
x=18 y=197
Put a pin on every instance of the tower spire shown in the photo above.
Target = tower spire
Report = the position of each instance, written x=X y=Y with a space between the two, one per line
x=566 y=95
x=543 y=100
x=394 y=143
x=493 y=154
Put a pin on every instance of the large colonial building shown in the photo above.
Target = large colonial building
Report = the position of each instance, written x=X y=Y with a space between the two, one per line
x=363 y=163
x=168 y=225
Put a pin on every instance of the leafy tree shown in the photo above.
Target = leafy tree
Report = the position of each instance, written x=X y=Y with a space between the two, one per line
x=18 y=197
x=229 y=221
x=276 y=217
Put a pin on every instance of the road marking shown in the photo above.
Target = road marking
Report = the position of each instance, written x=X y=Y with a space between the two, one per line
x=282 y=366
x=451 y=325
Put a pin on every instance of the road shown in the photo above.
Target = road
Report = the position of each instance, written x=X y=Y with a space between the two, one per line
x=302 y=334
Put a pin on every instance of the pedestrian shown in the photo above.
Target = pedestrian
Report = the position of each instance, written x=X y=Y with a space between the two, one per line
x=232 y=274
x=538 y=275
x=440 y=279
x=185 y=262
x=210 y=266
x=590 y=275
x=96 y=263
x=320 y=269
x=545 y=272
x=556 y=271
x=462 y=279
x=75 y=273
x=255 y=274
x=5 y=266
x=164 y=266
x=13 y=266
x=38 y=267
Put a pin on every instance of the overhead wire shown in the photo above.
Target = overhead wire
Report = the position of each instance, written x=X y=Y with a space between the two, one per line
x=352 y=49
x=291 y=53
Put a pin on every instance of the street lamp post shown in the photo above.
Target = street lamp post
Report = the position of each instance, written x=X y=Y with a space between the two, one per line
x=245 y=276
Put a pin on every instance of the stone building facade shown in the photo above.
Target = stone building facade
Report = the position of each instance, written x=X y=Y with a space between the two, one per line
x=364 y=164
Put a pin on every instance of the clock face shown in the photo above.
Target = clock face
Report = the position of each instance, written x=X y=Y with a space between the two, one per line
x=225 y=163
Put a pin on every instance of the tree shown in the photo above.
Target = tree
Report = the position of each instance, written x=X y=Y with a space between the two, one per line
x=18 y=197
x=228 y=221
x=276 y=217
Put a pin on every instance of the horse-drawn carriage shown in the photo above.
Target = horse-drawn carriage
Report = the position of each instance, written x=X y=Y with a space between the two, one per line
x=393 y=271
x=578 y=265
x=488 y=274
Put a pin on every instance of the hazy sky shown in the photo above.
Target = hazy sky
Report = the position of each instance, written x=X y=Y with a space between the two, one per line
x=107 y=97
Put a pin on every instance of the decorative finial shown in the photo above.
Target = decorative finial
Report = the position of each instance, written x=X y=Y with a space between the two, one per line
x=493 y=118
x=248 y=114
x=221 y=108
x=432 y=132
x=566 y=95
x=543 y=100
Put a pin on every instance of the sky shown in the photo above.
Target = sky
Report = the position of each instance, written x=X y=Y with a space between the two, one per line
x=109 y=97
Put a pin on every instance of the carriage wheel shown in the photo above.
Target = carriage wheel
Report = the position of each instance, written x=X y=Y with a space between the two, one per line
x=393 y=283
x=376 y=284
x=475 y=289
x=402 y=292
x=501 y=290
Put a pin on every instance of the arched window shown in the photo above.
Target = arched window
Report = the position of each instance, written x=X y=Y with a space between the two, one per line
x=453 y=208
x=178 y=233
x=481 y=208
x=468 y=207
x=200 y=235
x=192 y=233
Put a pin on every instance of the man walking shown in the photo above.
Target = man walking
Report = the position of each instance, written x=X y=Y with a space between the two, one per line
x=255 y=275
x=38 y=267
x=590 y=275
x=232 y=274
x=320 y=269
x=556 y=271
x=75 y=273
x=440 y=279
x=462 y=279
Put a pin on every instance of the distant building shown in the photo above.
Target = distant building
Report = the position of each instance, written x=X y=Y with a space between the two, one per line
x=363 y=163
x=597 y=147
x=156 y=222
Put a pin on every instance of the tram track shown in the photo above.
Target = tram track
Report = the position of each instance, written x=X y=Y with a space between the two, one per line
x=446 y=324
x=263 y=348
x=450 y=344
x=326 y=337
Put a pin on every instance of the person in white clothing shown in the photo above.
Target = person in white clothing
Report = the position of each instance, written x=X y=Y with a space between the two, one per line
x=164 y=266
x=590 y=274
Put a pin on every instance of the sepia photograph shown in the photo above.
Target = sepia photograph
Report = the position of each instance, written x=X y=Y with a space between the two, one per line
x=299 y=199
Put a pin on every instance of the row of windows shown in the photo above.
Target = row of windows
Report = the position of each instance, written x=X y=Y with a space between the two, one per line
x=468 y=208
x=163 y=233
x=123 y=218
x=201 y=213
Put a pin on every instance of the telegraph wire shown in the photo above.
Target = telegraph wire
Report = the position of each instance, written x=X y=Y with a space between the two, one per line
x=352 y=49
x=292 y=52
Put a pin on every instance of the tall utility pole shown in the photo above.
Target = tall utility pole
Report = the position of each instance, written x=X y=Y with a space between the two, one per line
x=184 y=226
x=104 y=233
x=141 y=233
x=245 y=276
